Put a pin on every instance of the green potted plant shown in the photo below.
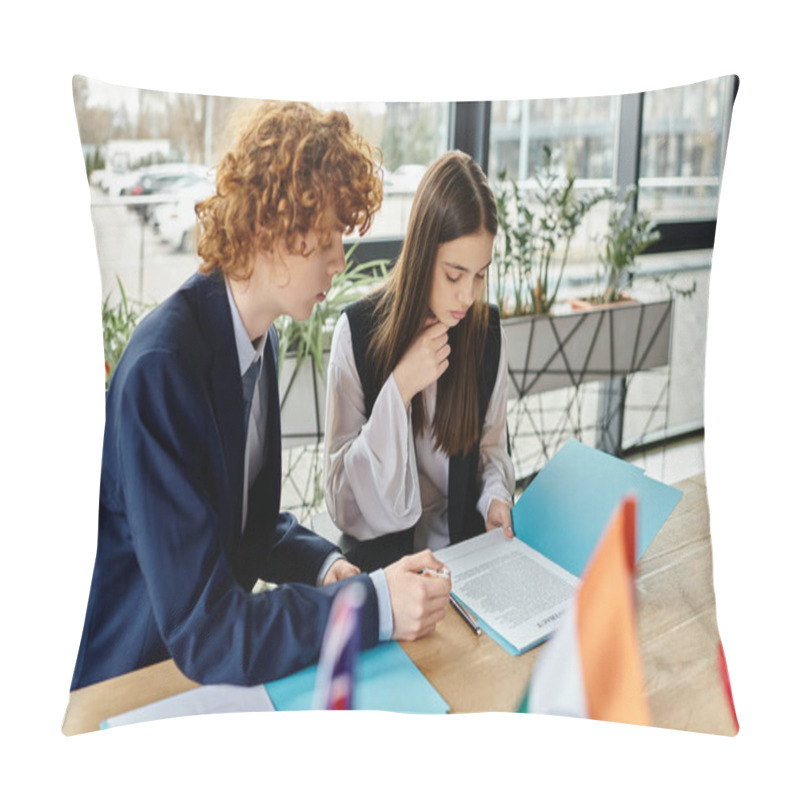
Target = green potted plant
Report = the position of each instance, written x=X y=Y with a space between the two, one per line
x=119 y=321
x=548 y=352
x=628 y=336
x=532 y=250
x=615 y=335
x=628 y=235
x=527 y=241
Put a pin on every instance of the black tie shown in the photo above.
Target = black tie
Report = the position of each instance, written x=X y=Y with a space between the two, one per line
x=248 y=387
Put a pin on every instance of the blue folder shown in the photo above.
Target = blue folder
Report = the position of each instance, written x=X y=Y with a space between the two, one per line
x=386 y=679
x=566 y=508
x=568 y=505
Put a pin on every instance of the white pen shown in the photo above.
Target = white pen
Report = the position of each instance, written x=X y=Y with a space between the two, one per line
x=439 y=573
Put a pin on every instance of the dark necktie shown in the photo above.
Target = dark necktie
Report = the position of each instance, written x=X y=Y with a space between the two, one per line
x=248 y=388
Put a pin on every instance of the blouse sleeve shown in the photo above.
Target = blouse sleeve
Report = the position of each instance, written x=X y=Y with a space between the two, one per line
x=371 y=482
x=497 y=471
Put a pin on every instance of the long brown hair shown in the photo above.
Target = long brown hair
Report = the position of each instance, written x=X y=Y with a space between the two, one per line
x=453 y=200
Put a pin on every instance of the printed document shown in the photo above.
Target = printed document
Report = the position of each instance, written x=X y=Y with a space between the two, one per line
x=511 y=587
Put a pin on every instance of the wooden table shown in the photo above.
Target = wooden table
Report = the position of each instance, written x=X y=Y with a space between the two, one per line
x=677 y=626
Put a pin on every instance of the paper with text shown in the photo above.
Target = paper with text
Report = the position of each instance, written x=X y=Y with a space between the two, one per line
x=512 y=588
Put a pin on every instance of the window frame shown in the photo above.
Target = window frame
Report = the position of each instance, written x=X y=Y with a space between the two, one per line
x=470 y=131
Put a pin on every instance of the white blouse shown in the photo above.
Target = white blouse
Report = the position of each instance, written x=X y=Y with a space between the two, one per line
x=379 y=478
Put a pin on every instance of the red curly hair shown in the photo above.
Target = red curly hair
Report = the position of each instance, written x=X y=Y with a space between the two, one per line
x=288 y=166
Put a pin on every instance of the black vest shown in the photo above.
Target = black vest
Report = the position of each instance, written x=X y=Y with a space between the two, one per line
x=464 y=485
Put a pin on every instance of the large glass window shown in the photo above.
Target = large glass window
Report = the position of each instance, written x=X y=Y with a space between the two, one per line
x=149 y=155
x=683 y=139
x=410 y=136
x=579 y=134
x=580 y=130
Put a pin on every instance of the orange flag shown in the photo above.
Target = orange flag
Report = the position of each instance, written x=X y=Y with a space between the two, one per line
x=592 y=666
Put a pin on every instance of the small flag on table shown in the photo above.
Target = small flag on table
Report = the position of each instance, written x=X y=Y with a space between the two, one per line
x=591 y=667
x=340 y=646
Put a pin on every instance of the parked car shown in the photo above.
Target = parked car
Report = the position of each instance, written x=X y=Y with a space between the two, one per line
x=115 y=181
x=162 y=179
x=404 y=180
x=175 y=220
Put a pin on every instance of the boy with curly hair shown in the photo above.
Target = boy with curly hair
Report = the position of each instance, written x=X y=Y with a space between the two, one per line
x=190 y=486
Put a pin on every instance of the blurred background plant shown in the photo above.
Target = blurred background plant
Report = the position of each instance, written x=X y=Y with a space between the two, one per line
x=527 y=242
x=513 y=249
x=310 y=337
x=119 y=321
x=628 y=235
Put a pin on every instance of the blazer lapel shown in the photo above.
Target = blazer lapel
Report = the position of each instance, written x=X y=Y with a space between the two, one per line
x=226 y=386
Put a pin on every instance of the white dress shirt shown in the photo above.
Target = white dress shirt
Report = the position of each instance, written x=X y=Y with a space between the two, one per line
x=379 y=477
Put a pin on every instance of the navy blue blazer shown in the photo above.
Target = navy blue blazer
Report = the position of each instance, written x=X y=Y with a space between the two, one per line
x=173 y=571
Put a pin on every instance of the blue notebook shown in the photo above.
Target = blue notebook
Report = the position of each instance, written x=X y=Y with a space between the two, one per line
x=567 y=506
x=386 y=679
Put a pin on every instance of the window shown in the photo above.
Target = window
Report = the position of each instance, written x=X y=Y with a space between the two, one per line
x=580 y=134
x=410 y=136
x=683 y=139
x=580 y=130
x=124 y=130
